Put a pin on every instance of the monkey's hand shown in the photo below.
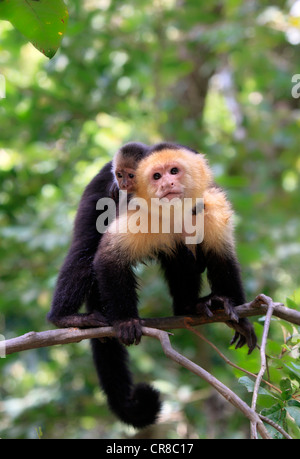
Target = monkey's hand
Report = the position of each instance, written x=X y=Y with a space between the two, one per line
x=114 y=192
x=244 y=331
x=203 y=307
x=128 y=331
x=209 y=303
x=244 y=334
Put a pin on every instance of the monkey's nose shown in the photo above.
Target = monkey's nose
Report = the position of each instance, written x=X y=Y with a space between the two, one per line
x=166 y=185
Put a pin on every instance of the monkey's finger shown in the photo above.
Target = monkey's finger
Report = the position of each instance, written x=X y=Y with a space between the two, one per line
x=241 y=342
x=203 y=309
x=229 y=310
x=234 y=338
x=138 y=338
x=239 y=339
x=138 y=331
x=252 y=342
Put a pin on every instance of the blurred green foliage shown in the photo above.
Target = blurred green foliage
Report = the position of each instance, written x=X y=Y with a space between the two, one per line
x=215 y=76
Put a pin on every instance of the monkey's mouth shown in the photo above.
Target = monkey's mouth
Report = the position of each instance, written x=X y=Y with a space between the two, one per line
x=171 y=195
x=129 y=189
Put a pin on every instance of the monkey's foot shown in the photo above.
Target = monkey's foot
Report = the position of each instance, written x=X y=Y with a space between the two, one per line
x=128 y=331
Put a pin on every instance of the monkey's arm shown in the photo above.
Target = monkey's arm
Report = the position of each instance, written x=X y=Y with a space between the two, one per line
x=223 y=270
x=227 y=291
x=76 y=276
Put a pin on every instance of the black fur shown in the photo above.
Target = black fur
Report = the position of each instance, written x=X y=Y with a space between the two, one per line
x=76 y=275
x=183 y=275
x=137 y=405
x=135 y=150
x=169 y=146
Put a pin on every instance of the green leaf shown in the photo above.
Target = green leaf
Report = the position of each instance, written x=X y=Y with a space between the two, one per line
x=294 y=368
x=286 y=387
x=294 y=412
x=291 y=303
x=275 y=412
x=249 y=384
x=43 y=22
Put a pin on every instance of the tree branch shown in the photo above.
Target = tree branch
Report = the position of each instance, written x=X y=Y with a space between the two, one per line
x=259 y=306
x=34 y=340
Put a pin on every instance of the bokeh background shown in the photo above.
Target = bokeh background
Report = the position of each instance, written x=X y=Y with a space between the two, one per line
x=216 y=76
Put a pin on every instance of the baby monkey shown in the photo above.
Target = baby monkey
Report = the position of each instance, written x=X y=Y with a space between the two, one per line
x=76 y=282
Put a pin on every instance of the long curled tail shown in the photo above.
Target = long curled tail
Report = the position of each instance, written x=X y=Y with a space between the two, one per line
x=135 y=404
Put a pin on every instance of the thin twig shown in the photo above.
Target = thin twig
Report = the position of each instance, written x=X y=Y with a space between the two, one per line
x=276 y=426
x=265 y=419
x=263 y=364
x=227 y=393
x=226 y=359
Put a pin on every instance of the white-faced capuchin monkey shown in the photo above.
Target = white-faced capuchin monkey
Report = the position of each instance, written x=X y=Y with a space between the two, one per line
x=169 y=171
x=76 y=281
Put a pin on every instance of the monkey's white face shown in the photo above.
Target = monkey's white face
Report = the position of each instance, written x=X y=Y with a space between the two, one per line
x=166 y=181
x=126 y=179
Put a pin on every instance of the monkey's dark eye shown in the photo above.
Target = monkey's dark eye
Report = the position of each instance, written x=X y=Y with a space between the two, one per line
x=156 y=176
x=119 y=175
x=131 y=176
x=174 y=170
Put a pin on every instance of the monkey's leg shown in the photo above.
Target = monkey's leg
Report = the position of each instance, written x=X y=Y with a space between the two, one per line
x=118 y=285
x=75 y=281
